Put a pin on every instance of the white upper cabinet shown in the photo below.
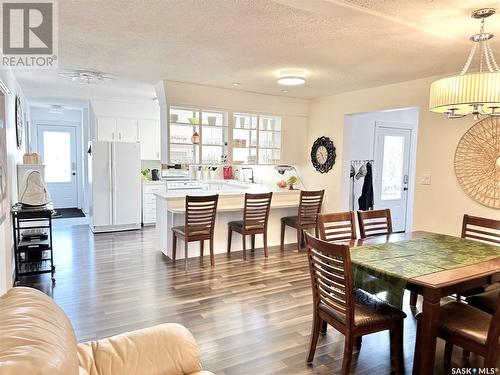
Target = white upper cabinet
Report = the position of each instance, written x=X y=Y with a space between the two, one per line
x=106 y=129
x=149 y=135
x=117 y=129
x=127 y=130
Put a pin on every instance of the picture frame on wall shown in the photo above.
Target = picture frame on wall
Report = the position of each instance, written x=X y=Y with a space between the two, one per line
x=19 y=122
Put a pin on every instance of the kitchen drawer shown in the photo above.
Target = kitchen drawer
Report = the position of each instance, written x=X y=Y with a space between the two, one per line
x=149 y=207
x=149 y=199
x=151 y=189
x=148 y=218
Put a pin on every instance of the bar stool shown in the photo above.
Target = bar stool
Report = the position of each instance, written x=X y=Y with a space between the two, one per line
x=255 y=219
x=309 y=208
x=199 y=225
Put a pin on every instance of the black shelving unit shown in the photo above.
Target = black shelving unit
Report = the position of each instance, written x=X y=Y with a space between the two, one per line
x=33 y=248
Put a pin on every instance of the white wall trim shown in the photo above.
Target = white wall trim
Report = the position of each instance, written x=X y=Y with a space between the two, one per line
x=79 y=149
x=413 y=164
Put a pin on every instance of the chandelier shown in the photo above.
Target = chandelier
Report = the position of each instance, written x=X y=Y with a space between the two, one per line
x=475 y=90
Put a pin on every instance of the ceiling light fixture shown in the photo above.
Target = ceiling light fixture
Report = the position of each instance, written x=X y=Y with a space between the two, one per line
x=236 y=84
x=56 y=109
x=291 y=77
x=473 y=91
x=86 y=76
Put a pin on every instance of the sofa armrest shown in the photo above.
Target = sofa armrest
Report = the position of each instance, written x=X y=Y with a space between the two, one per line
x=167 y=349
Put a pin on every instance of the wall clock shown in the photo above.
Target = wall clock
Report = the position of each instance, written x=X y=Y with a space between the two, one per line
x=323 y=154
x=477 y=162
x=19 y=122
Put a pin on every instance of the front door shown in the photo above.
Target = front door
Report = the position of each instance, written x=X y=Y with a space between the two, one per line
x=392 y=170
x=57 y=146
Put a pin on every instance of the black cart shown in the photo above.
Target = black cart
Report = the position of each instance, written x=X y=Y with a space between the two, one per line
x=33 y=240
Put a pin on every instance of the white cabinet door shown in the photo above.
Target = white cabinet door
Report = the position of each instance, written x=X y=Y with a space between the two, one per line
x=106 y=129
x=149 y=136
x=126 y=130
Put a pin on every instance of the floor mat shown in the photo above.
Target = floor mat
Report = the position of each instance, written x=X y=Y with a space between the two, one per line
x=66 y=213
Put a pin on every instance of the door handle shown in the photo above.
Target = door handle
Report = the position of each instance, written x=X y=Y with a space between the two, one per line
x=405 y=189
x=73 y=173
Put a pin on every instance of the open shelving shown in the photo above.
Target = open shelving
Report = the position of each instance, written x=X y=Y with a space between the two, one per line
x=244 y=138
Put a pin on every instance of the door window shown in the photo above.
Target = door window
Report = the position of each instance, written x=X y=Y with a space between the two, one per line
x=392 y=168
x=57 y=156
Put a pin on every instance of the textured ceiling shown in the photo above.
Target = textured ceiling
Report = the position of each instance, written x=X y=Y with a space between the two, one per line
x=344 y=45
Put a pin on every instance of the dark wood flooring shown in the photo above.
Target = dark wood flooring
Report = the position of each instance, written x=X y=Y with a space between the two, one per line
x=250 y=317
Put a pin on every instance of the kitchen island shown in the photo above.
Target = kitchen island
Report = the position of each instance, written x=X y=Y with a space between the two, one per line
x=170 y=210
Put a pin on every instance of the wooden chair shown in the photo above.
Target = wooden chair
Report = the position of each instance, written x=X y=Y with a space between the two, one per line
x=483 y=230
x=374 y=223
x=352 y=312
x=255 y=219
x=309 y=208
x=336 y=227
x=470 y=328
x=199 y=225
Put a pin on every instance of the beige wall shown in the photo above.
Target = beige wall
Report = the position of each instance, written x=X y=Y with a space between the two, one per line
x=438 y=207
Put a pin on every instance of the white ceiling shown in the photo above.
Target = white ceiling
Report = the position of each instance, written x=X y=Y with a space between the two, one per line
x=344 y=45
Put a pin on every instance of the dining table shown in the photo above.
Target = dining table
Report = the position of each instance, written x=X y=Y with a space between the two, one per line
x=430 y=264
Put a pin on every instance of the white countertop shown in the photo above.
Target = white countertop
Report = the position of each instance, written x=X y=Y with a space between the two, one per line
x=225 y=188
x=151 y=182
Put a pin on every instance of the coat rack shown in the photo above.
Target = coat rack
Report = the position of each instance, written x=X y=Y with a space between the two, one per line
x=355 y=164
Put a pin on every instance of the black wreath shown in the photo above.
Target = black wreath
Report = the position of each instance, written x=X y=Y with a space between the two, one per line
x=330 y=148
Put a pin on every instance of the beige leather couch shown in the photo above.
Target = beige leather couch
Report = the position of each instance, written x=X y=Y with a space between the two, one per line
x=36 y=337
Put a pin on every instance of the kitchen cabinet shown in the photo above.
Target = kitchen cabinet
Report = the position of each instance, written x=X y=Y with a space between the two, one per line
x=106 y=129
x=149 y=200
x=149 y=135
x=126 y=130
x=117 y=129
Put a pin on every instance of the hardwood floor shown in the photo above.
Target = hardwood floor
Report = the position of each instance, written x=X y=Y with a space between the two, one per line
x=248 y=317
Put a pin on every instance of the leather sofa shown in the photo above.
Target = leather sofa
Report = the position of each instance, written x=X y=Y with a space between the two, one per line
x=36 y=338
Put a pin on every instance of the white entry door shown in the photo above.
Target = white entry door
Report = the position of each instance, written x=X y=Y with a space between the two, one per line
x=57 y=145
x=392 y=170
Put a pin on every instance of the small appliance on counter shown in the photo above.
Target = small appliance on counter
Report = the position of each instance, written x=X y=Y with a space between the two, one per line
x=155 y=175
x=228 y=172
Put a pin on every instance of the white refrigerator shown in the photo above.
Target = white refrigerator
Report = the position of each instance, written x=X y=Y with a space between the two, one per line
x=115 y=170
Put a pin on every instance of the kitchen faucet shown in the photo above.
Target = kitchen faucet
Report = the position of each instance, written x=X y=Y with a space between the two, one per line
x=252 y=179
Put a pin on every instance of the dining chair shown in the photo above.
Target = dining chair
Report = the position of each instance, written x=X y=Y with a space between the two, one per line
x=484 y=230
x=255 y=220
x=374 y=223
x=481 y=229
x=336 y=227
x=467 y=327
x=307 y=216
x=198 y=225
x=351 y=311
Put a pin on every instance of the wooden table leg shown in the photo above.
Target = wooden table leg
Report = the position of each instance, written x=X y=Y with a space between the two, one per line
x=427 y=344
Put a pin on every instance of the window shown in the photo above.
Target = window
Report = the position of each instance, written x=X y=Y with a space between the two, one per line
x=392 y=168
x=57 y=156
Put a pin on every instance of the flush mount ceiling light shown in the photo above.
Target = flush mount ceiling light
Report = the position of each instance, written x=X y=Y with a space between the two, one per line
x=56 y=109
x=86 y=76
x=291 y=77
x=476 y=90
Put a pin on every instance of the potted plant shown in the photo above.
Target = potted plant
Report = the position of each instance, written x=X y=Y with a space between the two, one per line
x=291 y=181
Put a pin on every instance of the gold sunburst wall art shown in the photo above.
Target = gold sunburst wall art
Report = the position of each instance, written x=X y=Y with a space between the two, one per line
x=477 y=162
